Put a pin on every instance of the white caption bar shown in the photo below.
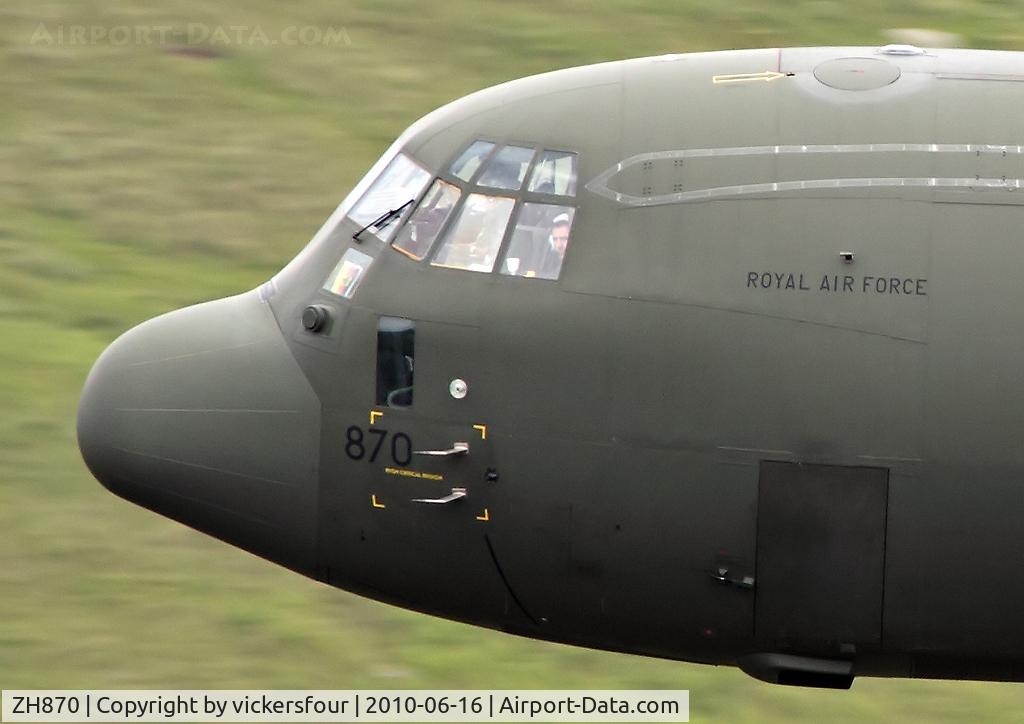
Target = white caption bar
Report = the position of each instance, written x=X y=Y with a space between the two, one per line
x=346 y=706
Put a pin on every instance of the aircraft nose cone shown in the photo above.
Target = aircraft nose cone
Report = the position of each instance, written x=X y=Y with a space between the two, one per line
x=204 y=416
x=96 y=440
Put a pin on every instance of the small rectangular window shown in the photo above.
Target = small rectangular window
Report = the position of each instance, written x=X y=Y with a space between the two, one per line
x=539 y=241
x=473 y=241
x=402 y=181
x=417 y=236
x=507 y=169
x=350 y=271
x=555 y=173
x=470 y=159
x=396 y=345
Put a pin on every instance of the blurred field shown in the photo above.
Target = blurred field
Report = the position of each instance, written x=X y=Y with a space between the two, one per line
x=139 y=178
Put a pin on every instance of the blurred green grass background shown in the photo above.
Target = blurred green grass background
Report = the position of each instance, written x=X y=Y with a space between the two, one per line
x=137 y=178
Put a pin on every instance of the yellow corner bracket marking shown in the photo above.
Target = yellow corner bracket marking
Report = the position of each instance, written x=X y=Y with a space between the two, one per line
x=376 y=503
x=486 y=515
x=374 y=414
x=483 y=431
x=768 y=76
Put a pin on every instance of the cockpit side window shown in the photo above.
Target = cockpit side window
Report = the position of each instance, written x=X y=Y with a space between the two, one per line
x=555 y=173
x=538 y=243
x=507 y=169
x=473 y=241
x=466 y=165
x=401 y=182
x=417 y=236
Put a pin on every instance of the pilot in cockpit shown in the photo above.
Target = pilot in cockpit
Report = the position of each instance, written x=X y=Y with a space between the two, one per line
x=550 y=262
x=534 y=253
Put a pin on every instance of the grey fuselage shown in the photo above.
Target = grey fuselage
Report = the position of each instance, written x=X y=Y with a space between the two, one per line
x=779 y=375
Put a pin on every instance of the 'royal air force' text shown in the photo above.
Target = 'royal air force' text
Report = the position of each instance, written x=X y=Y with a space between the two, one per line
x=838 y=284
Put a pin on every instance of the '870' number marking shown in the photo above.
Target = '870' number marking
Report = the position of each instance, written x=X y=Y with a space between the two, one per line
x=357 y=446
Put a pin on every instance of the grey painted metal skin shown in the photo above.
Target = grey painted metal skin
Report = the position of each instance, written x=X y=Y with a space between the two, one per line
x=630 y=406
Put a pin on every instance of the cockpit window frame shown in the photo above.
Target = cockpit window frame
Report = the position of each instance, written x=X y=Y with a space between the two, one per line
x=441 y=230
x=536 y=162
x=514 y=226
x=496 y=152
x=388 y=232
x=448 y=173
x=520 y=196
x=441 y=241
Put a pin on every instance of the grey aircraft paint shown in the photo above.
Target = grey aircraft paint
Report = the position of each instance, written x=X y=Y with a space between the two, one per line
x=769 y=414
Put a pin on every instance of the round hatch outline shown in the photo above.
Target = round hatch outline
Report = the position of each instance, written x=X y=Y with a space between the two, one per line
x=857 y=73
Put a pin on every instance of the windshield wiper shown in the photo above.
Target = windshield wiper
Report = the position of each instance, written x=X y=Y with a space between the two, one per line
x=382 y=221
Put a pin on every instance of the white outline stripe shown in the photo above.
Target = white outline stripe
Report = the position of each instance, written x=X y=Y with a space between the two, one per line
x=599 y=184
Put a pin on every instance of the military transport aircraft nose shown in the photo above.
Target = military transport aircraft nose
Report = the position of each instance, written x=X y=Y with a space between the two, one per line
x=204 y=416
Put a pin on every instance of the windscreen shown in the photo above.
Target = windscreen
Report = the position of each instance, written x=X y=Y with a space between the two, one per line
x=401 y=182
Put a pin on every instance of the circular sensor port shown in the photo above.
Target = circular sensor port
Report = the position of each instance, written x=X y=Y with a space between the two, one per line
x=315 y=318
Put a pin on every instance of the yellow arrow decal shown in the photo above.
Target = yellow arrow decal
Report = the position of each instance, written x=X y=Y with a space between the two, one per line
x=767 y=76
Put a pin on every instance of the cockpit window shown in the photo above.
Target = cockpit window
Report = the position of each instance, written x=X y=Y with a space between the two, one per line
x=469 y=161
x=459 y=224
x=474 y=240
x=507 y=169
x=401 y=182
x=555 y=173
x=346 y=277
x=396 y=352
x=538 y=242
x=417 y=236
